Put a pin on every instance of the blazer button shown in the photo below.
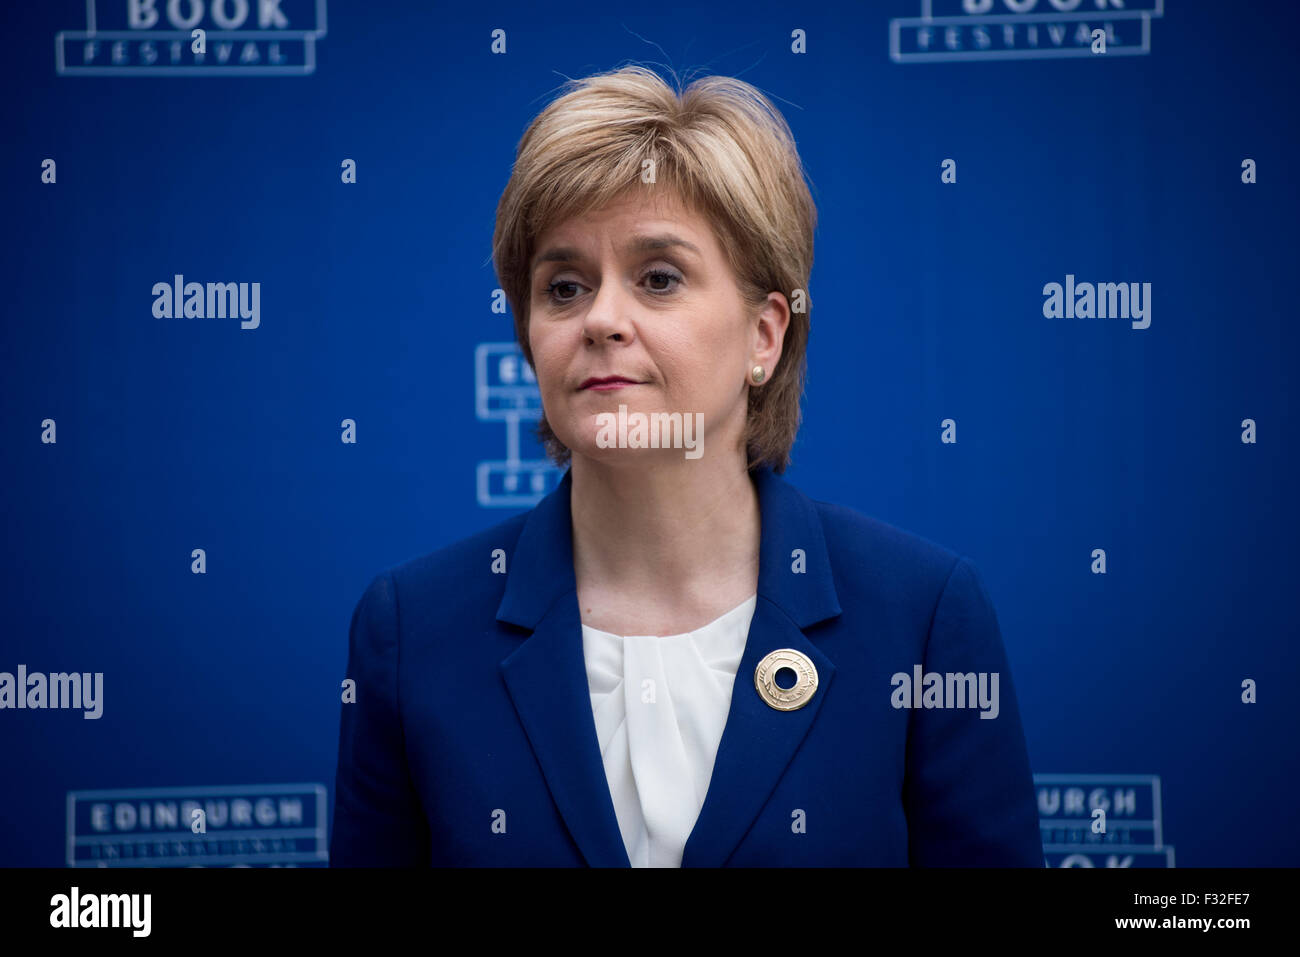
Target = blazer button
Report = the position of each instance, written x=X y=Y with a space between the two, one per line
x=798 y=694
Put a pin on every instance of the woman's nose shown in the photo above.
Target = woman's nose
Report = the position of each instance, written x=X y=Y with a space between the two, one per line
x=607 y=319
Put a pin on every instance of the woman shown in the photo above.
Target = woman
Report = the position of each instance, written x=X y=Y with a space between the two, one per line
x=676 y=658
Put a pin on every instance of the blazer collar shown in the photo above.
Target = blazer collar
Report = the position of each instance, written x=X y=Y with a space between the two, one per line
x=547 y=680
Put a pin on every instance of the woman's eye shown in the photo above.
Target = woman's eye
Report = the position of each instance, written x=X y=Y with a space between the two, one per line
x=658 y=281
x=550 y=289
x=657 y=274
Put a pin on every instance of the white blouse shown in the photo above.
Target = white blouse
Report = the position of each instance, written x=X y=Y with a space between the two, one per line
x=660 y=704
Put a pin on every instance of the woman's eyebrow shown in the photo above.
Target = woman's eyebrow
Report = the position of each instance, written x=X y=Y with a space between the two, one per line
x=642 y=244
x=637 y=244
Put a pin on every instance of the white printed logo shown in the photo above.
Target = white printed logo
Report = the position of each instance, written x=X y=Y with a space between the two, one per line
x=505 y=390
x=949 y=30
x=188 y=37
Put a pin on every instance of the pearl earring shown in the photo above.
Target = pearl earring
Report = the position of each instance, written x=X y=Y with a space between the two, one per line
x=759 y=374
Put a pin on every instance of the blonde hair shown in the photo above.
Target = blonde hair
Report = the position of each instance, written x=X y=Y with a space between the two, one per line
x=729 y=155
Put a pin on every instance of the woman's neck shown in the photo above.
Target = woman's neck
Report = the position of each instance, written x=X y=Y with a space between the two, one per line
x=682 y=536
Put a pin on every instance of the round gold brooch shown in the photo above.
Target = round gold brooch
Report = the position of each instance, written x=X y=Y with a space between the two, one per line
x=795 y=696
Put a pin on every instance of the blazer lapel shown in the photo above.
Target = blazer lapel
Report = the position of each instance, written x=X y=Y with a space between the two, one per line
x=795 y=590
x=546 y=675
x=547 y=679
x=758 y=742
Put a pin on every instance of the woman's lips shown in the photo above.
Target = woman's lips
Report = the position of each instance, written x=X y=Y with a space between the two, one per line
x=608 y=386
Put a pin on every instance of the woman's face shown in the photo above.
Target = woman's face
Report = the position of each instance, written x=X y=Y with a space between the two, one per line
x=640 y=290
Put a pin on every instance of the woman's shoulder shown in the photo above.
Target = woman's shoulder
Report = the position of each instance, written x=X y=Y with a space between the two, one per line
x=454 y=575
x=861 y=546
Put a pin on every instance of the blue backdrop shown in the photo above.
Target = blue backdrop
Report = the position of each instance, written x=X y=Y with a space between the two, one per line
x=133 y=440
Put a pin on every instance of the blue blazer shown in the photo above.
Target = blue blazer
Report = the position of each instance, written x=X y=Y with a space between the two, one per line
x=472 y=742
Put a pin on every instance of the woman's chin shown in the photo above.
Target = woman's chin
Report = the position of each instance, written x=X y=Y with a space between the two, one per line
x=616 y=457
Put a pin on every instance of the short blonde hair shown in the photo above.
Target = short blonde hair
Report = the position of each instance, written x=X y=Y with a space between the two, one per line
x=729 y=155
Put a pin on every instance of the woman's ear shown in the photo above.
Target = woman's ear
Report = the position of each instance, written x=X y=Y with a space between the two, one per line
x=769 y=332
